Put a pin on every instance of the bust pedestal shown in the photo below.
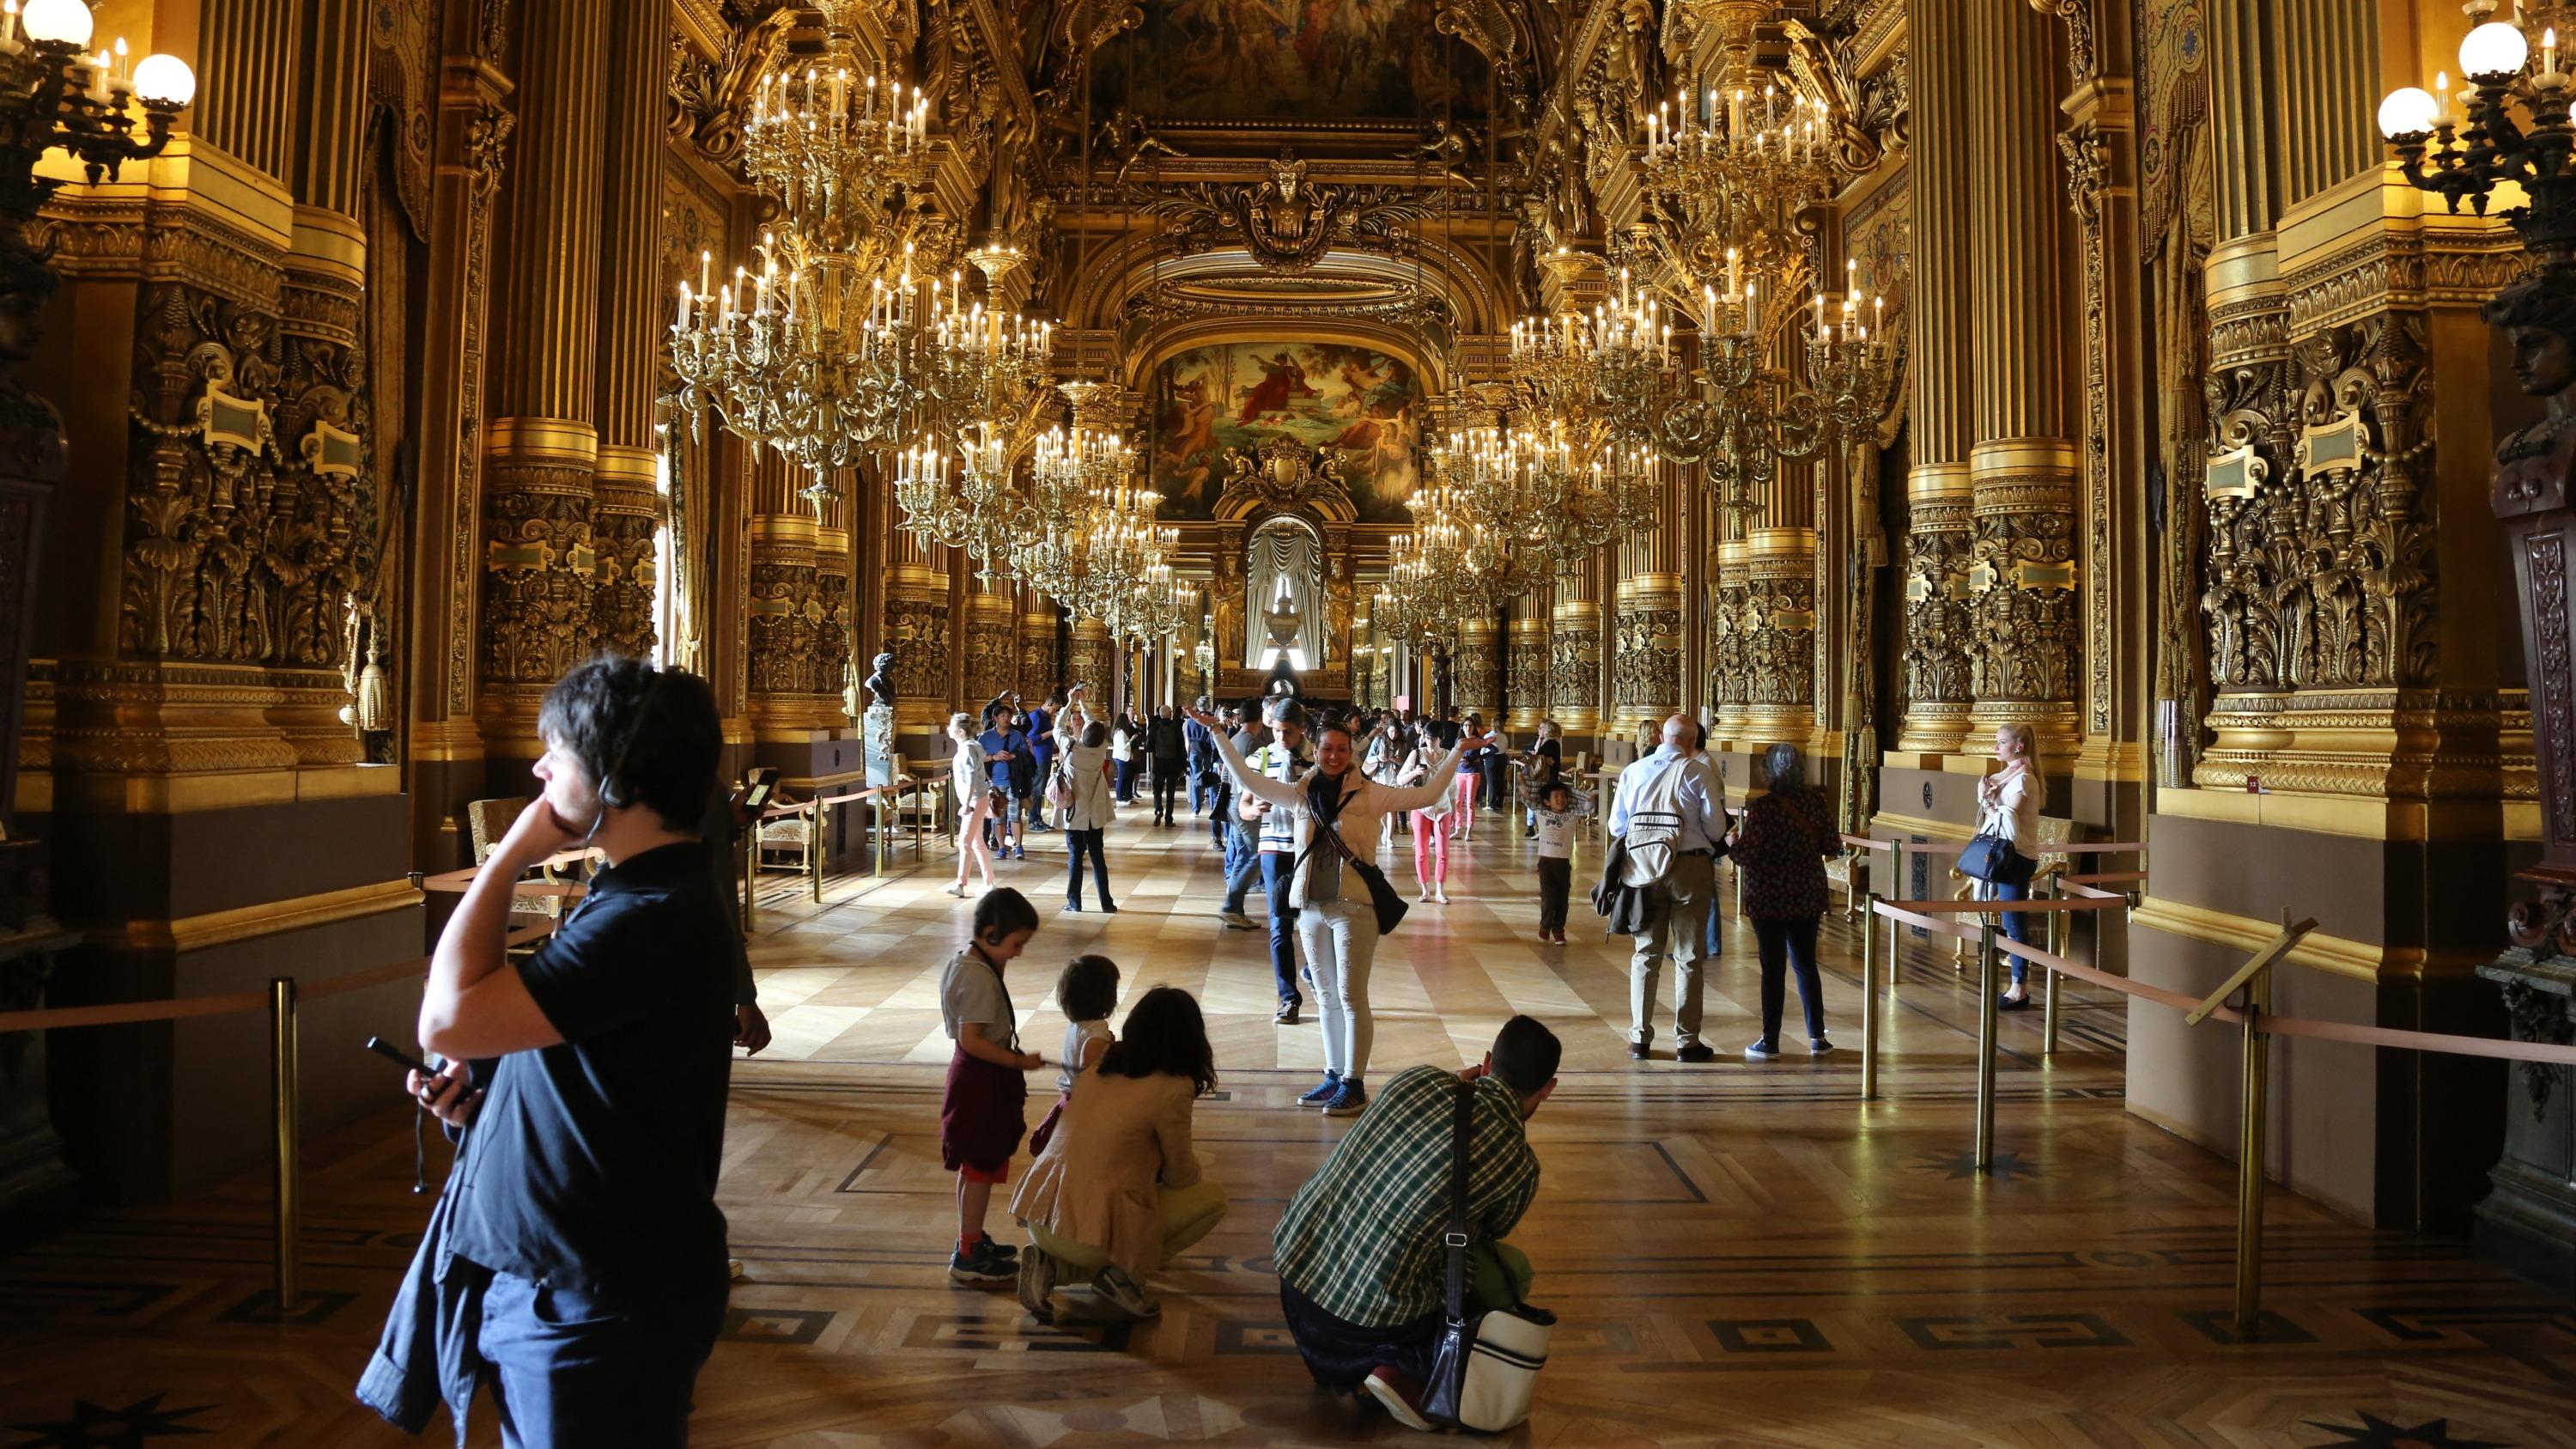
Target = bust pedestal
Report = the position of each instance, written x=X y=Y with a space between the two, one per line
x=2528 y=1224
x=876 y=743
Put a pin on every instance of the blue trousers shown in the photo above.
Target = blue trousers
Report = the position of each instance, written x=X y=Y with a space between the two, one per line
x=568 y=1371
x=1242 y=861
x=2016 y=924
x=1276 y=869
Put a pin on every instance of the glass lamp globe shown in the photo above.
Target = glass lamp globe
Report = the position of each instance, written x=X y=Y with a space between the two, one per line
x=2409 y=111
x=2496 y=48
x=63 y=22
x=164 y=80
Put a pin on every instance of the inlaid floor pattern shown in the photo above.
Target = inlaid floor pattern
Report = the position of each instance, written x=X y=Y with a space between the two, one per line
x=1739 y=1254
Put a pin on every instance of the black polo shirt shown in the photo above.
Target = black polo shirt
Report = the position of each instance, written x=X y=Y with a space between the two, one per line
x=594 y=1161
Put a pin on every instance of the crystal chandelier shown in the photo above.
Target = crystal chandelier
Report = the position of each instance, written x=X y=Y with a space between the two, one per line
x=820 y=347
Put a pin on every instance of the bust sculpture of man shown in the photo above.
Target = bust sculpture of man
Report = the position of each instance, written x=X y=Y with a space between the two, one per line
x=880 y=680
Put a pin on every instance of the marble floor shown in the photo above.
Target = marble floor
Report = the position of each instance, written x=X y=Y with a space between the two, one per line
x=1739 y=1253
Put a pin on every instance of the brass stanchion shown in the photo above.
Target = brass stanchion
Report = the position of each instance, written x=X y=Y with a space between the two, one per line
x=750 y=872
x=1895 y=888
x=2251 y=1150
x=2059 y=926
x=876 y=833
x=920 y=797
x=1869 y=1001
x=814 y=842
x=1986 y=954
x=282 y=1113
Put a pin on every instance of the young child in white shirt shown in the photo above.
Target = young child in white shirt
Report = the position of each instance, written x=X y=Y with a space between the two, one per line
x=1560 y=806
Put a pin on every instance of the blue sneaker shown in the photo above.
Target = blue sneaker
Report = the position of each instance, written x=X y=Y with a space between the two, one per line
x=1348 y=1101
x=1324 y=1091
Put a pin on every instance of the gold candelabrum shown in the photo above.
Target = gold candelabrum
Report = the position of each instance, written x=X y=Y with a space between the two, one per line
x=827 y=346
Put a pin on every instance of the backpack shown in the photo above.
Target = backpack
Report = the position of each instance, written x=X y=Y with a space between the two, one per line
x=1655 y=827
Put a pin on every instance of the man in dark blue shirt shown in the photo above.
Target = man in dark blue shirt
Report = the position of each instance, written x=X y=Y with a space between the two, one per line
x=1041 y=733
x=583 y=1198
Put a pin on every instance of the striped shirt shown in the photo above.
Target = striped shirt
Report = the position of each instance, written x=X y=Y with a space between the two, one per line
x=1361 y=1240
x=1278 y=828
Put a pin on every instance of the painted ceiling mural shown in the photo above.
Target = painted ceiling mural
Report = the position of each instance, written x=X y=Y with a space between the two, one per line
x=1318 y=60
x=1239 y=395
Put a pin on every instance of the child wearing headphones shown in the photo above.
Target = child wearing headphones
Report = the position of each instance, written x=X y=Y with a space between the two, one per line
x=982 y=1114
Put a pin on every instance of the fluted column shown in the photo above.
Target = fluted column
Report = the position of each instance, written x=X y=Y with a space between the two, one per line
x=1935 y=673
x=2025 y=612
x=838 y=671
x=632 y=321
x=785 y=644
x=250 y=71
x=543 y=442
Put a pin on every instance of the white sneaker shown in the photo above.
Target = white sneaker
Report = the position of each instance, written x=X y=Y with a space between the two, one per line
x=1113 y=1284
x=1381 y=1386
x=1440 y=897
x=958 y=890
x=1037 y=1282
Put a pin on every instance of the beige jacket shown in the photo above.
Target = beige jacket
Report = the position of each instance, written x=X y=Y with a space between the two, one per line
x=1364 y=803
x=1121 y=1142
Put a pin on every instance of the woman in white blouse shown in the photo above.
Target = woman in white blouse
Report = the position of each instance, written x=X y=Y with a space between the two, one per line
x=1336 y=923
x=2008 y=804
x=971 y=781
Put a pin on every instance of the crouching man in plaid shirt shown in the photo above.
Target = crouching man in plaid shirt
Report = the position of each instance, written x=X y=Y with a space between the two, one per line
x=1362 y=1271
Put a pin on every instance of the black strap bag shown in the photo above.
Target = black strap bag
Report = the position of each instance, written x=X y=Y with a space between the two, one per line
x=1485 y=1370
x=1389 y=904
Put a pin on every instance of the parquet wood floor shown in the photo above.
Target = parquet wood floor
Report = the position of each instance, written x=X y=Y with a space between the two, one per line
x=1740 y=1254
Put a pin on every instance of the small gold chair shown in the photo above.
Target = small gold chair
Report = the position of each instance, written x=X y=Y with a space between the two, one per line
x=487 y=821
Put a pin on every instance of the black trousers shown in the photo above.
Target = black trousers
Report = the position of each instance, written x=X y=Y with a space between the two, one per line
x=1077 y=843
x=1167 y=790
x=1789 y=946
x=1555 y=885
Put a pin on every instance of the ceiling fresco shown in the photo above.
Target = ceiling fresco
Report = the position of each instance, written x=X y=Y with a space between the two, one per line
x=1298 y=60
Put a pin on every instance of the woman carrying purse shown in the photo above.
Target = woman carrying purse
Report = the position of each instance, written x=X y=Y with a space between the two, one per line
x=1337 y=921
x=2008 y=805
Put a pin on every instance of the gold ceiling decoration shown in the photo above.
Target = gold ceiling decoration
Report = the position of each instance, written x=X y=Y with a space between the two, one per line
x=1287 y=222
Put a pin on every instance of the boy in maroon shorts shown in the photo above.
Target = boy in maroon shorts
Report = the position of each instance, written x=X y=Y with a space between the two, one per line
x=982 y=1116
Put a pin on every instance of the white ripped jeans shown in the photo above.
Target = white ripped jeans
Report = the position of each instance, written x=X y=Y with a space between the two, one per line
x=1340 y=940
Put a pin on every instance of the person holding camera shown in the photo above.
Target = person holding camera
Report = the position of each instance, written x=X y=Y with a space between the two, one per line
x=577 y=1257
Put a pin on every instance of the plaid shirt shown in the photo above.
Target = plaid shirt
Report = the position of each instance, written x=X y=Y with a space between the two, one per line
x=1362 y=1238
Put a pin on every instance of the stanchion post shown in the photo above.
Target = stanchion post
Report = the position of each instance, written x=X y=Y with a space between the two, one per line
x=1896 y=890
x=2252 y=1147
x=877 y=833
x=2059 y=928
x=282 y=1113
x=1869 y=1001
x=815 y=839
x=750 y=871
x=1986 y=954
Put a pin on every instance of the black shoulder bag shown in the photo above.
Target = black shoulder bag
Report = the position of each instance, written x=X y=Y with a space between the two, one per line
x=1383 y=898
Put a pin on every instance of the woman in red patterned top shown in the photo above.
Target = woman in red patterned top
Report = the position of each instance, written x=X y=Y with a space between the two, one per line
x=1780 y=847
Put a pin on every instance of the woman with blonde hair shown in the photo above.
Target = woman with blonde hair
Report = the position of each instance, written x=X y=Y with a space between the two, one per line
x=2008 y=805
x=970 y=775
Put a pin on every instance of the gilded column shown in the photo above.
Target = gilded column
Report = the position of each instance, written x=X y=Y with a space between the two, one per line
x=786 y=653
x=992 y=643
x=539 y=566
x=917 y=630
x=2025 y=640
x=1475 y=681
x=633 y=317
x=1037 y=633
x=1574 y=652
x=1778 y=623
x=1646 y=665
x=1730 y=645
x=1093 y=655
x=1526 y=674
x=835 y=591
x=1939 y=530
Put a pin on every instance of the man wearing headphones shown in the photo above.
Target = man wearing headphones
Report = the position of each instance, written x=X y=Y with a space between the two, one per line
x=582 y=1204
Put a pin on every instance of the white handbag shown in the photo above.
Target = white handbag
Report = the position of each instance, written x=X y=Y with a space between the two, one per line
x=1485 y=1370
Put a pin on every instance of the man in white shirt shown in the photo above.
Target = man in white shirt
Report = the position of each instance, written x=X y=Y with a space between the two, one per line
x=1671 y=810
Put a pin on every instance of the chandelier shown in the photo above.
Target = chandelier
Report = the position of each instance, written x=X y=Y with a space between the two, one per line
x=825 y=346
x=2462 y=146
